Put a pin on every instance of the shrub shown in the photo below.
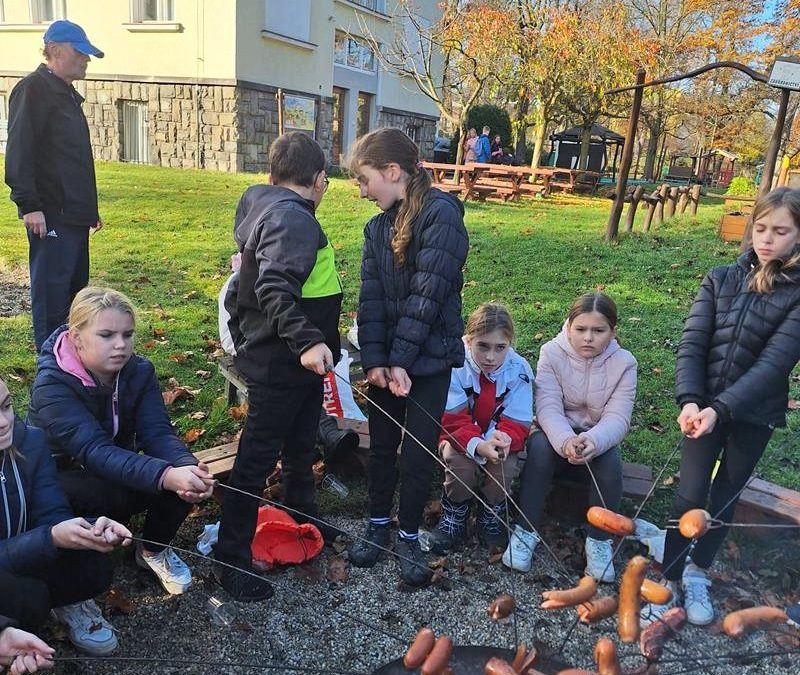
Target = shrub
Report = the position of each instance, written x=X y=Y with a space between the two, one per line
x=741 y=185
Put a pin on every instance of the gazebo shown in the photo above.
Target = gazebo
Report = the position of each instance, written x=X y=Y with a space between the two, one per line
x=566 y=148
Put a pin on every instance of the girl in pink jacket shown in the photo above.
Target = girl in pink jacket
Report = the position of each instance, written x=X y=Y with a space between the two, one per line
x=585 y=388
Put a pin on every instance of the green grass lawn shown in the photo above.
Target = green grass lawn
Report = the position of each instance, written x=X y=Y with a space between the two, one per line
x=167 y=243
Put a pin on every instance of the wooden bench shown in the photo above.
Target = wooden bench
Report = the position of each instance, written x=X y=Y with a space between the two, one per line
x=680 y=174
x=763 y=502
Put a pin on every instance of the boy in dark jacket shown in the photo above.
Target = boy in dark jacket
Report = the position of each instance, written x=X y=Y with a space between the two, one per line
x=285 y=328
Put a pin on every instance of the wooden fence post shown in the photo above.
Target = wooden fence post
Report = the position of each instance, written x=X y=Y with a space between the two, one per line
x=662 y=197
x=683 y=199
x=695 y=199
x=631 y=215
x=669 y=207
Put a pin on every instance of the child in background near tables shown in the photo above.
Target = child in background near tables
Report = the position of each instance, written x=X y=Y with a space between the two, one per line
x=409 y=330
x=585 y=389
x=738 y=348
x=487 y=419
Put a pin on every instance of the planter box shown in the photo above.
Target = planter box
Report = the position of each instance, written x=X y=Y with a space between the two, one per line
x=742 y=204
x=732 y=226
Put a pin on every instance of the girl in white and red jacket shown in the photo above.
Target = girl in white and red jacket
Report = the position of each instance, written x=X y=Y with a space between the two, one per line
x=486 y=421
x=585 y=388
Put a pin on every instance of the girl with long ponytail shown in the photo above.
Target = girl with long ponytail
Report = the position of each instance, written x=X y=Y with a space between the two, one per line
x=409 y=331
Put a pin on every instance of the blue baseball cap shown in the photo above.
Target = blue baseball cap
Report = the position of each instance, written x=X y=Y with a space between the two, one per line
x=72 y=34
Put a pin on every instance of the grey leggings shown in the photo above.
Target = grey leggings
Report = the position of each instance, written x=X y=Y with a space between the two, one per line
x=544 y=463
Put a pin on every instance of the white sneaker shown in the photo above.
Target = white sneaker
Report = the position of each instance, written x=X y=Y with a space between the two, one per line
x=696 y=599
x=519 y=553
x=174 y=575
x=651 y=613
x=88 y=629
x=599 y=560
x=651 y=536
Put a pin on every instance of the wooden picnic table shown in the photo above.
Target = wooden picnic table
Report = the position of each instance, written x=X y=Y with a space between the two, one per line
x=481 y=180
x=567 y=179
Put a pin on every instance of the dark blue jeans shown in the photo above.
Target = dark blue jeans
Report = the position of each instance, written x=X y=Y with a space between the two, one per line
x=281 y=424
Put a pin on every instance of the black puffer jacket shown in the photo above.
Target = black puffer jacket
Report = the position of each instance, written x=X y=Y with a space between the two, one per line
x=738 y=347
x=410 y=316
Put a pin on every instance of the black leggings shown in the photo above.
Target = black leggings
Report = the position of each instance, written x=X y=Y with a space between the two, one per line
x=741 y=446
x=66 y=578
x=93 y=496
x=544 y=463
x=416 y=463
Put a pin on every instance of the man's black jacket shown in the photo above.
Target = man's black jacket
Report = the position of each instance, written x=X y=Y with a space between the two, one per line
x=49 y=165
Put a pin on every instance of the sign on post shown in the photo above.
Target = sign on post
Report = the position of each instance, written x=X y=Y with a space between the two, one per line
x=785 y=73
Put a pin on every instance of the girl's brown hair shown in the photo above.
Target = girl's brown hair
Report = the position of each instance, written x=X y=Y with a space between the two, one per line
x=763 y=277
x=380 y=148
x=488 y=317
x=594 y=302
x=92 y=300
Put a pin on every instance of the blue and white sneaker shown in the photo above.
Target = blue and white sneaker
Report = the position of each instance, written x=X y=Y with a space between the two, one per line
x=173 y=574
x=88 y=629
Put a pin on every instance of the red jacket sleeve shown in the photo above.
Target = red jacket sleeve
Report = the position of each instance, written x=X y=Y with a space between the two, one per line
x=460 y=427
x=517 y=431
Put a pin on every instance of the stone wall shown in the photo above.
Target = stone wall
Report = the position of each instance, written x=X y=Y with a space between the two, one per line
x=208 y=126
x=425 y=128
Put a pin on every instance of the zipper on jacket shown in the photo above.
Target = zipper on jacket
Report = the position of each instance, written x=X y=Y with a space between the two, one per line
x=6 y=506
x=734 y=340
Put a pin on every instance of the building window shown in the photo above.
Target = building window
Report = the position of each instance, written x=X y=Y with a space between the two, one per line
x=45 y=11
x=374 y=5
x=290 y=19
x=143 y=11
x=353 y=53
x=363 y=113
x=3 y=120
x=412 y=131
x=135 y=145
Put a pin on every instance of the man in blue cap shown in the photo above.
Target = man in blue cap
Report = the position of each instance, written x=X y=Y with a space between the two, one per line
x=50 y=170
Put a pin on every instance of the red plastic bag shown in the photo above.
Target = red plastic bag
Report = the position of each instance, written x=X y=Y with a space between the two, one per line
x=280 y=540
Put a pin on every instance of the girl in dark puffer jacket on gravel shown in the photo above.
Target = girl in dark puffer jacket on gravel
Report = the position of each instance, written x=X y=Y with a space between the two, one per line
x=409 y=330
x=739 y=345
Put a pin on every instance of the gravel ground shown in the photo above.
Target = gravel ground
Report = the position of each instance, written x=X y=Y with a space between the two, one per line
x=300 y=626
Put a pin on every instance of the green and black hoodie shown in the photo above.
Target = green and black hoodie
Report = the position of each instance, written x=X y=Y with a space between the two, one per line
x=288 y=296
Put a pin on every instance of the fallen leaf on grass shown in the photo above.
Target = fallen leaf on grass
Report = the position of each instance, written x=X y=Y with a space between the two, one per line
x=239 y=412
x=116 y=600
x=337 y=570
x=193 y=434
x=203 y=374
x=191 y=295
x=179 y=358
x=149 y=344
x=657 y=371
x=178 y=393
x=199 y=415
x=158 y=332
x=792 y=404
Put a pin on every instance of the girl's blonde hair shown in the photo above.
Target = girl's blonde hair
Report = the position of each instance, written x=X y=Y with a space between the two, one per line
x=380 y=148
x=763 y=277
x=488 y=317
x=92 y=300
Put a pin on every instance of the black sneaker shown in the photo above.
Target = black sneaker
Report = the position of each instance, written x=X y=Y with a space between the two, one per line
x=414 y=568
x=363 y=553
x=452 y=527
x=492 y=526
x=241 y=586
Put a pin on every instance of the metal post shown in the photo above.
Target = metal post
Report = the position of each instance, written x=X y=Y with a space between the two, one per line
x=612 y=229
